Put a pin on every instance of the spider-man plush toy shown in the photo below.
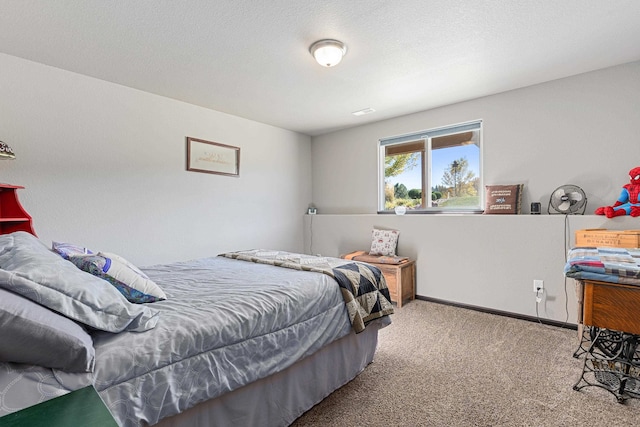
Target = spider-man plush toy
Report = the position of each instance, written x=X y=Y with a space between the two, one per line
x=627 y=203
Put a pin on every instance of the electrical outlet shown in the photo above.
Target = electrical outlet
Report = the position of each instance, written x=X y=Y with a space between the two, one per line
x=538 y=285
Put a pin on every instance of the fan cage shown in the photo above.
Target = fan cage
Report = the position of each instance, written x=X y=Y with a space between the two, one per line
x=574 y=207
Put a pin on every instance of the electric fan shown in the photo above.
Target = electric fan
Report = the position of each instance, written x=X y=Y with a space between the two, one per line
x=567 y=199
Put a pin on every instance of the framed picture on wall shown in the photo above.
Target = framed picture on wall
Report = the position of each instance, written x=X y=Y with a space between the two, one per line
x=212 y=157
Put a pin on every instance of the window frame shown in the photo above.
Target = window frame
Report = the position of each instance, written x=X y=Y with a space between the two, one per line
x=427 y=136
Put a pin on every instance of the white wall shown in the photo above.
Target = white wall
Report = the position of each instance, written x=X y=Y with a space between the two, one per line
x=105 y=166
x=481 y=260
x=581 y=130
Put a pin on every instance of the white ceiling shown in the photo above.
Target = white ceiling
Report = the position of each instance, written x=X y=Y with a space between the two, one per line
x=250 y=57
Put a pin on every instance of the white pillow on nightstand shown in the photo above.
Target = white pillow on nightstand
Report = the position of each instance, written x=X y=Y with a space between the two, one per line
x=384 y=242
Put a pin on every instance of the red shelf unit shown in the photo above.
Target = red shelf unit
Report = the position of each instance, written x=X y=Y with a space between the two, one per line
x=13 y=217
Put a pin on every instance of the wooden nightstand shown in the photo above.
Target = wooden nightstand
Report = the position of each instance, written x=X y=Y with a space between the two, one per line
x=398 y=272
x=400 y=280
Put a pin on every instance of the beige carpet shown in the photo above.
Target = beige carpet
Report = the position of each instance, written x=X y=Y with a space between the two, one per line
x=439 y=365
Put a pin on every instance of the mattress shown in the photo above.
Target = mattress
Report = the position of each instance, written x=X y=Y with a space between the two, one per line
x=225 y=324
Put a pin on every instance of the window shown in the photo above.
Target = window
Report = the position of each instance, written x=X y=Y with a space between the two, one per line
x=437 y=170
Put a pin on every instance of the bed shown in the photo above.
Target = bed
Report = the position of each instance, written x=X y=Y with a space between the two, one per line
x=245 y=338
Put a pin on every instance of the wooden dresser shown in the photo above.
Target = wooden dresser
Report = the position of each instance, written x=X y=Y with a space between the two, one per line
x=609 y=324
x=610 y=343
x=611 y=306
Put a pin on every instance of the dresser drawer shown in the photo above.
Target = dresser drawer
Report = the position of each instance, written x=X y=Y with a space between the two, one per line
x=612 y=306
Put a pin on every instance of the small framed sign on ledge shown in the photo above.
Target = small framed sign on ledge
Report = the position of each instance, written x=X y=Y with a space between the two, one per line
x=212 y=157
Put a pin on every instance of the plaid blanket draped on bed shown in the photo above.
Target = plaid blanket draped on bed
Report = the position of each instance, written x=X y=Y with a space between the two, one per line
x=363 y=286
x=614 y=265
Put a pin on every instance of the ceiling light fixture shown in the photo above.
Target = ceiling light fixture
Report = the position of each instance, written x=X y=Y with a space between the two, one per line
x=328 y=52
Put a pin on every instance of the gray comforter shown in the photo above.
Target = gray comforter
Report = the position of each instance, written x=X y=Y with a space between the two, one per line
x=225 y=323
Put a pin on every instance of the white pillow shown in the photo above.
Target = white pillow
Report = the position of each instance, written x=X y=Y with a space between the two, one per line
x=121 y=260
x=126 y=277
x=384 y=242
